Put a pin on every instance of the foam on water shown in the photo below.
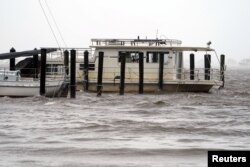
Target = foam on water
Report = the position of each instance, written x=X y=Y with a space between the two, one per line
x=173 y=129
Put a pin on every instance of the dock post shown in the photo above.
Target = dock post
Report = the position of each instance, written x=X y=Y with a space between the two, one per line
x=192 y=66
x=66 y=61
x=222 y=69
x=100 y=72
x=73 y=73
x=86 y=70
x=43 y=72
x=179 y=66
x=35 y=65
x=207 y=59
x=12 y=60
x=141 y=72
x=122 y=72
x=161 y=69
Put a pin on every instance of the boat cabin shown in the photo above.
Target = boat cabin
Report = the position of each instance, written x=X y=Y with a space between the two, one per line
x=6 y=75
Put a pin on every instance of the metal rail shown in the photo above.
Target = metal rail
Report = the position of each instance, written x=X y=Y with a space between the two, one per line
x=135 y=42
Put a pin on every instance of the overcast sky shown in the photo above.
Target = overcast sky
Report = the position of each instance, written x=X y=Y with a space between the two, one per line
x=224 y=22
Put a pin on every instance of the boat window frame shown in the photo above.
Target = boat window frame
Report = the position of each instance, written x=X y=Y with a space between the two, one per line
x=91 y=67
x=51 y=69
x=129 y=57
x=157 y=56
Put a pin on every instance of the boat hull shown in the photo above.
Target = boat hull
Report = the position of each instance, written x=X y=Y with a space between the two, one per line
x=153 y=87
x=26 y=89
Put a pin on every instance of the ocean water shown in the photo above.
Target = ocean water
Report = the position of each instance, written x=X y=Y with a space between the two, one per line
x=132 y=130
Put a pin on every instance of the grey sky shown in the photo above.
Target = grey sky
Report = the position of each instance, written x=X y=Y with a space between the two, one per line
x=225 y=22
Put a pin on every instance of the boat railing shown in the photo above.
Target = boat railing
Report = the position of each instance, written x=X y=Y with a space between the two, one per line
x=7 y=75
x=136 y=42
x=34 y=73
x=199 y=74
x=151 y=74
x=58 y=56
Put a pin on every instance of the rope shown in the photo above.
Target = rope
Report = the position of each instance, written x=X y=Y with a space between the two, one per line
x=57 y=27
x=47 y=19
x=221 y=76
x=217 y=56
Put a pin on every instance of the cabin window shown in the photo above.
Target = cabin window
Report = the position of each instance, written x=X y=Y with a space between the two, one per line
x=91 y=67
x=131 y=57
x=54 y=68
x=153 y=57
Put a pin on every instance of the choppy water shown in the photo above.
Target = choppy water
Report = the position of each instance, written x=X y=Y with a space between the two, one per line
x=132 y=130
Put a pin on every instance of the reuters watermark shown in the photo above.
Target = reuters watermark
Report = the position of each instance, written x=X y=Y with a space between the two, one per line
x=229 y=158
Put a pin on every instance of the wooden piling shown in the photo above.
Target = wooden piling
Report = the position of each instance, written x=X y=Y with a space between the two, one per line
x=141 y=72
x=179 y=66
x=43 y=72
x=161 y=69
x=207 y=62
x=192 y=66
x=100 y=72
x=122 y=72
x=222 y=69
x=86 y=70
x=73 y=73
x=35 y=65
x=12 y=60
x=66 y=61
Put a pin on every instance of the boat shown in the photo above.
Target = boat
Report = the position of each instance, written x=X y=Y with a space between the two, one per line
x=176 y=78
x=244 y=63
x=12 y=85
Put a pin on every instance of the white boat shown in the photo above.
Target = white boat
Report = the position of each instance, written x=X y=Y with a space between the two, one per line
x=176 y=77
x=12 y=85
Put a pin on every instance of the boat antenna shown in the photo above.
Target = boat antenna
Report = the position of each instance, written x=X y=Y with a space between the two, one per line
x=156 y=33
x=47 y=19
x=54 y=20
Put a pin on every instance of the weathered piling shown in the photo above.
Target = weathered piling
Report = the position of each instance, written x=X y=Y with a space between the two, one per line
x=161 y=69
x=43 y=72
x=72 y=73
x=207 y=62
x=122 y=72
x=222 y=69
x=66 y=61
x=86 y=70
x=35 y=65
x=12 y=60
x=192 y=66
x=100 y=72
x=179 y=66
x=141 y=72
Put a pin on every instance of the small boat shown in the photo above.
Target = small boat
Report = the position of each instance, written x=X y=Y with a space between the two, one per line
x=12 y=85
